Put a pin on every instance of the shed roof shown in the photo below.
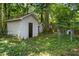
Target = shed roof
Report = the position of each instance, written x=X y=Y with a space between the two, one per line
x=20 y=18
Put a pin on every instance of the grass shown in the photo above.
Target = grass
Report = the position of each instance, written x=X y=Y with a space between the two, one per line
x=43 y=45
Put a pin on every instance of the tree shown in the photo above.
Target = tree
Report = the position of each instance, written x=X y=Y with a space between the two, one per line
x=64 y=16
x=2 y=17
x=43 y=11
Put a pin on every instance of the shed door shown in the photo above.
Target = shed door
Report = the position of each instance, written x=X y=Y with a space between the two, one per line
x=30 y=29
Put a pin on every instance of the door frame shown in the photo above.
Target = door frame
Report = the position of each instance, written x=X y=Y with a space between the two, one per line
x=30 y=29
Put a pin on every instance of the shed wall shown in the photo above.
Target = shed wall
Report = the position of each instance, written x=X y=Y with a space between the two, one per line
x=13 y=27
x=21 y=27
x=25 y=29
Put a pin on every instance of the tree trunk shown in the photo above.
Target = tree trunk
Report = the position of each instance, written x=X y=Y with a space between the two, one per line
x=5 y=17
x=8 y=12
x=46 y=21
x=27 y=8
x=2 y=17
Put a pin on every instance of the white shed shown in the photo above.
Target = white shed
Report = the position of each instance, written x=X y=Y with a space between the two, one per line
x=25 y=27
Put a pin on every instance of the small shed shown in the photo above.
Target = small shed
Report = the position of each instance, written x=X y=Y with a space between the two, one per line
x=25 y=26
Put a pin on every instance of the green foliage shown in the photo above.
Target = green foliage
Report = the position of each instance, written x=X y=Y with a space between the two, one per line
x=18 y=50
x=44 y=44
x=63 y=14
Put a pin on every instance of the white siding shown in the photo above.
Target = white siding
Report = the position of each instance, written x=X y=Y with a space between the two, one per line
x=25 y=22
x=21 y=27
x=13 y=27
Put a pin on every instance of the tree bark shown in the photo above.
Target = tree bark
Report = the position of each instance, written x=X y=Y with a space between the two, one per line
x=5 y=17
x=2 y=17
x=8 y=12
x=41 y=17
x=46 y=21
x=27 y=8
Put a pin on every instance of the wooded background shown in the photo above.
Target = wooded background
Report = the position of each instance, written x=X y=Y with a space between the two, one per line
x=62 y=16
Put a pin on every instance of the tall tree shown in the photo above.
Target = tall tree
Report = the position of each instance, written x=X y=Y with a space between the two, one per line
x=2 y=16
x=43 y=11
x=64 y=16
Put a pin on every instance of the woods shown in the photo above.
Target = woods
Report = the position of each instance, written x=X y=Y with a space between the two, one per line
x=63 y=16
x=59 y=21
x=47 y=13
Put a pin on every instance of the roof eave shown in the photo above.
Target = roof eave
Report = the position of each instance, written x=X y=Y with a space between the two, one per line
x=13 y=20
